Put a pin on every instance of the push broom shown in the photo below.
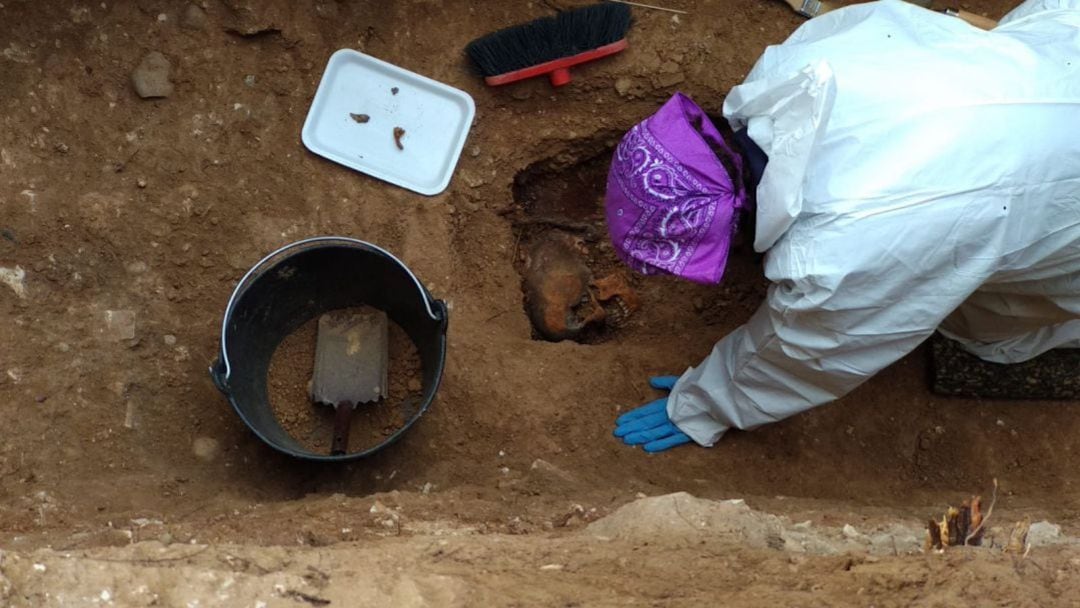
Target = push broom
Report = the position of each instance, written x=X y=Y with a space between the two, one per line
x=551 y=45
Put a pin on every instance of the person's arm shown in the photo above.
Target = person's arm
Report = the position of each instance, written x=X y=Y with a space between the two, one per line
x=813 y=8
x=852 y=294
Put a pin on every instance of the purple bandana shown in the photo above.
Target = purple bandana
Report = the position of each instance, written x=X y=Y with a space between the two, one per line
x=671 y=205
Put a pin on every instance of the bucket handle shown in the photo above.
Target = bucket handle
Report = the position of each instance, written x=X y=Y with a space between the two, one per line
x=220 y=370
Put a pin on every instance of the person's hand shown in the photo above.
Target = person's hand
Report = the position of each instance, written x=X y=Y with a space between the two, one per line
x=649 y=425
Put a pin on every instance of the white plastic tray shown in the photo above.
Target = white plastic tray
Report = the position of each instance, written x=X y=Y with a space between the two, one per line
x=436 y=119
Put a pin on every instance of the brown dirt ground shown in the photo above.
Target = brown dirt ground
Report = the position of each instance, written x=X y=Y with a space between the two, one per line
x=113 y=203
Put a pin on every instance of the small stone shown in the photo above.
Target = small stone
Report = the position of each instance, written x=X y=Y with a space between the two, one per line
x=623 y=85
x=162 y=17
x=119 y=325
x=151 y=77
x=669 y=79
x=850 y=532
x=169 y=339
x=327 y=10
x=194 y=18
x=165 y=538
x=15 y=278
x=1000 y=422
x=474 y=151
x=699 y=304
x=249 y=80
x=1043 y=533
x=415 y=385
x=474 y=181
x=547 y=469
x=141 y=183
x=205 y=448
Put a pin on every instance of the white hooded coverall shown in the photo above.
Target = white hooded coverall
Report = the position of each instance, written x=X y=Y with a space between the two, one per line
x=922 y=174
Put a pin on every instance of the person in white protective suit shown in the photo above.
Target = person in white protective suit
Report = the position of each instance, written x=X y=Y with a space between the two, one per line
x=922 y=175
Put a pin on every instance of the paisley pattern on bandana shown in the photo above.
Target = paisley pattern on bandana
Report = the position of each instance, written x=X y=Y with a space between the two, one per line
x=676 y=211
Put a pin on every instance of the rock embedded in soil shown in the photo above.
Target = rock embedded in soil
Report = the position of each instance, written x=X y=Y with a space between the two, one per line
x=119 y=325
x=1043 y=533
x=15 y=278
x=194 y=18
x=205 y=448
x=327 y=10
x=151 y=77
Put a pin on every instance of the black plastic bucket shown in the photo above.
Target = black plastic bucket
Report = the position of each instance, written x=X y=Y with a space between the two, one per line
x=298 y=283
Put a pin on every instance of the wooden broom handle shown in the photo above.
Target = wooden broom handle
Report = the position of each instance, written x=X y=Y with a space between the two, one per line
x=339 y=446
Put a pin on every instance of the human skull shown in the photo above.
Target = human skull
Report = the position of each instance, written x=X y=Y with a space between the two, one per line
x=558 y=297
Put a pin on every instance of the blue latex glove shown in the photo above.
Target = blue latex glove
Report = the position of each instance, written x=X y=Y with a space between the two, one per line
x=649 y=425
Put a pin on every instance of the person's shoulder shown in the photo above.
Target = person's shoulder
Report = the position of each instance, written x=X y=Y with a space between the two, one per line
x=1036 y=9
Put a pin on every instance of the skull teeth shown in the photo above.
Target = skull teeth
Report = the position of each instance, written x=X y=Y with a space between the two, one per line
x=618 y=312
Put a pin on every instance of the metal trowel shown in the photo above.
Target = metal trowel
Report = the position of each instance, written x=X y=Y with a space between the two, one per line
x=351 y=360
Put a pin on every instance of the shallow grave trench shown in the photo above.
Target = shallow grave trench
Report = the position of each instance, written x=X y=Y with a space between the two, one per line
x=507 y=456
x=119 y=454
x=574 y=286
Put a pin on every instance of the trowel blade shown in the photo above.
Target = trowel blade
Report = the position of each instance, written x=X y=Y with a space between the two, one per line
x=351 y=357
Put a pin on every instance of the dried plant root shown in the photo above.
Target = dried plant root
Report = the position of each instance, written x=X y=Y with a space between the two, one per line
x=933 y=537
x=960 y=526
x=1018 y=540
x=975 y=537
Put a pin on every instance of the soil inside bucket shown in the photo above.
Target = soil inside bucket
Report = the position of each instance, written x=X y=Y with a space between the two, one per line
x=312 y=424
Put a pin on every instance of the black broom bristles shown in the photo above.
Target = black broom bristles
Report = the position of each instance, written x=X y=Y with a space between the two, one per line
x=549 y=38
